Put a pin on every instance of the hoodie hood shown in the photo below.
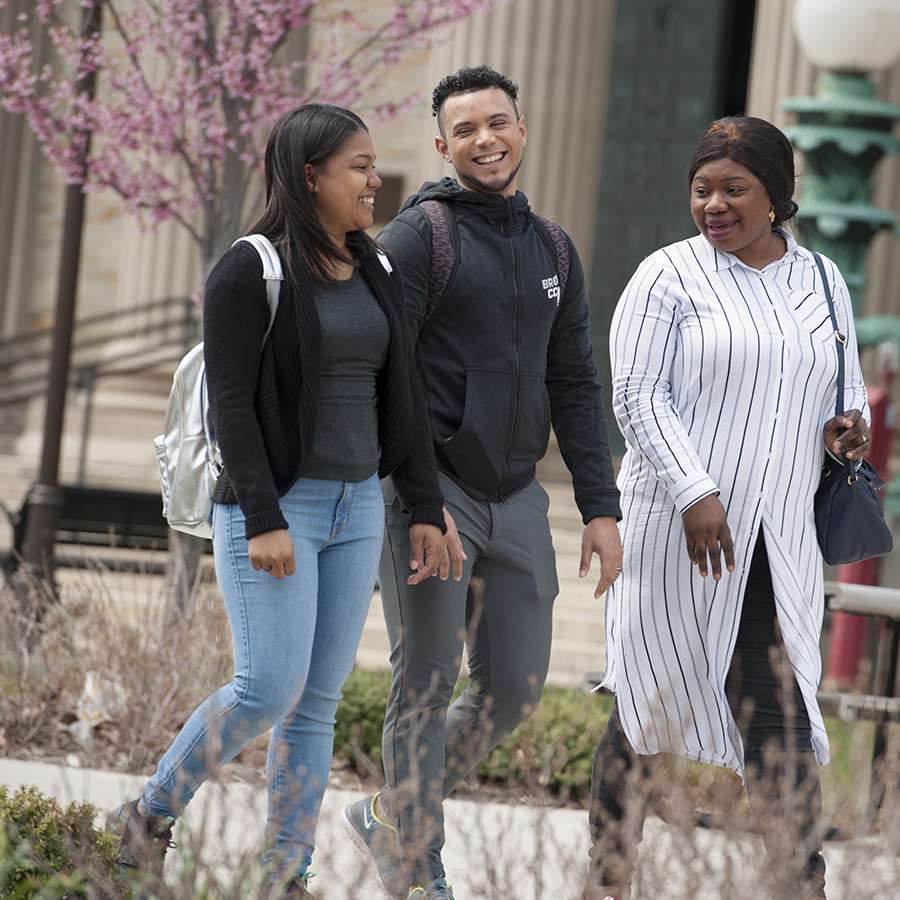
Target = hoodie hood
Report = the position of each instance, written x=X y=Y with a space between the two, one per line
x=493 y=207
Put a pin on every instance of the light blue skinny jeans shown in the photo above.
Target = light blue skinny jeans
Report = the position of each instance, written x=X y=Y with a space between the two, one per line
x=295 y=642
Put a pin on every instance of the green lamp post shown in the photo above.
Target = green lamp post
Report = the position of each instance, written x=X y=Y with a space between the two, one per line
x=845 y=130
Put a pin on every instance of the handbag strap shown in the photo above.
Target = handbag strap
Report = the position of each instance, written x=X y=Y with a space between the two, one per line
x=839 y=338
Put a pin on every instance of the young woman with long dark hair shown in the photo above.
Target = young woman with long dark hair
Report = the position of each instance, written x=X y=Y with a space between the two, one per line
x=305 y=428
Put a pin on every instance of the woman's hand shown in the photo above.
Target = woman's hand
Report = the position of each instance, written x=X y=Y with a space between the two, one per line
x=427 y=553
x=848 y=434
x=708 y=535
x=273 y=552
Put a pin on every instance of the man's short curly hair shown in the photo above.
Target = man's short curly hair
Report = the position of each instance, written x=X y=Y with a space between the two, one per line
x=467 y=80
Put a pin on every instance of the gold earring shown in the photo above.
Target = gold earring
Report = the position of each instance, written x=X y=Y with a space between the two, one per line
x=772 y=215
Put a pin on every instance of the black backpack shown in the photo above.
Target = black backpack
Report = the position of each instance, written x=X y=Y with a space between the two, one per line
x=445 y=252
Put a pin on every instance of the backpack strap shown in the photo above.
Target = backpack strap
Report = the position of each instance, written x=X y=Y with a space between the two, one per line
x=273 y=276
x=385 y=262
x=272 y=272
x=444 y=254
x=558 y=244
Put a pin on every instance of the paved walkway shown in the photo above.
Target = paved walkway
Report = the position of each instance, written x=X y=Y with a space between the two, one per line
x=493 y=851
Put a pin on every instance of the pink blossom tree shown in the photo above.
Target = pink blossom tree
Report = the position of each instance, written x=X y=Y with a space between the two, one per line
x=187 y=89
x=185 y=93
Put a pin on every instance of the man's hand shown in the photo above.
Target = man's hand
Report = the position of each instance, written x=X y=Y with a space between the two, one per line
x=707 y=534
x=272 y=552
x=427 y=553
x=454 y=546
x=601 y=536
x=848 y=434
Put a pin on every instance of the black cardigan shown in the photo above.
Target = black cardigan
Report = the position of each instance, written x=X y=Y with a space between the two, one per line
x=264 y=404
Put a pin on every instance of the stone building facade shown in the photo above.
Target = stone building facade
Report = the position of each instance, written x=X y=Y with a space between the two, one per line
x=614 y=94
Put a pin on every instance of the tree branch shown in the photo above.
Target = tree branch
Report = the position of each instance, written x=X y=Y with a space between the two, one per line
x=136 y=63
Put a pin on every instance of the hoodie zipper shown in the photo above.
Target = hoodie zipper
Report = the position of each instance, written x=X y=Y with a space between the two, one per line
x=517 y=367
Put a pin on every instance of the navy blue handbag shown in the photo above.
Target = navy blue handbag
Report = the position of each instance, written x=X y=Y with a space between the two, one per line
x=849 y=519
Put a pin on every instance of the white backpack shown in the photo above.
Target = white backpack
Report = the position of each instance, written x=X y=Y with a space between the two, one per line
x=187 y=455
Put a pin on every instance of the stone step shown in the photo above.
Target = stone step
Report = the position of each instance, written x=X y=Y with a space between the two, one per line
x=13 y=490
x=572 y=617
x=570 y=623
x=569 y=663
x=12 y=418
x=12 y=466
x=14 y=482
x=578 y=617
x=578 y=636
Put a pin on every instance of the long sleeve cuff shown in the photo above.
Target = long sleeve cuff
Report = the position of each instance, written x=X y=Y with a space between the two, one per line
x=428 y=514
x=600 y=504
x=261 y=522
x=691 y=489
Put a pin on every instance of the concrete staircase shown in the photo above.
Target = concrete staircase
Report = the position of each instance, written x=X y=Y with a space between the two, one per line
x=578 y=617
x=14 y=481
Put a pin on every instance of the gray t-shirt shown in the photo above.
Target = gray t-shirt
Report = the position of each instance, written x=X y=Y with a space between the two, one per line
x=355 y=336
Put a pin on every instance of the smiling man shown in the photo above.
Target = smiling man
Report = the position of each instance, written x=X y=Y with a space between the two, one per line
x=497 y=298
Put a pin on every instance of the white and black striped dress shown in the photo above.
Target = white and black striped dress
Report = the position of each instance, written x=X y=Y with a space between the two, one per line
x=723 y=377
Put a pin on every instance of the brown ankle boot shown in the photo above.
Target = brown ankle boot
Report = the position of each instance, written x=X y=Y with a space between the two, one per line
x=143 y=840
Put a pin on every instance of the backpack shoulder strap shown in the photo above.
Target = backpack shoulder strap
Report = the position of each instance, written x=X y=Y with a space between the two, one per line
x=385 y=261
x=444 y=254
x=558 y=244
x=272 y=272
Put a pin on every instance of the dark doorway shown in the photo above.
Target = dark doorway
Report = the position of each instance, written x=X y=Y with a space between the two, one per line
x=676 y=67
x=736 y=50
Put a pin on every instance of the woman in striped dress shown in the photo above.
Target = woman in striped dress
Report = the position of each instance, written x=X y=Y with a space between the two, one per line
x=724 y=380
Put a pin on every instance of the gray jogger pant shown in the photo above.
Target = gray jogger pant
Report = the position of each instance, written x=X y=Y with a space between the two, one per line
x=503 y=611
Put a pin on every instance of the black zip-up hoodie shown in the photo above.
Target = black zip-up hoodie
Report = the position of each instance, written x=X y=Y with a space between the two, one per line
x=502 y=357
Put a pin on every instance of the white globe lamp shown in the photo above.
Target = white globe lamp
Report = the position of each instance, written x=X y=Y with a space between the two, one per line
x=849 y=35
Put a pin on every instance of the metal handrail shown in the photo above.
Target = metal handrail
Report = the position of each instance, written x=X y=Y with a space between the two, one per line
x=35 y=334
x=98 y=340
x=863 y=599
x=167 y=340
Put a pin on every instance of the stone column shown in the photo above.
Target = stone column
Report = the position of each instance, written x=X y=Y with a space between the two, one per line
x=162 y=262
x=156 y=261
x=560 y=56
x=21 y=166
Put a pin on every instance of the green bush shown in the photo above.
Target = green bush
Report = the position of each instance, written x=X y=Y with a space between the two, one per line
x=553 y=750
x=360 y=719
x=50 y=852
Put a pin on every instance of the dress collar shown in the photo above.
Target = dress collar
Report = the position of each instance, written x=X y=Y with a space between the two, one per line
x=715 y=260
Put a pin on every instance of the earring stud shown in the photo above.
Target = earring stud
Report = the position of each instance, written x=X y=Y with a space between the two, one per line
x=772 y=216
